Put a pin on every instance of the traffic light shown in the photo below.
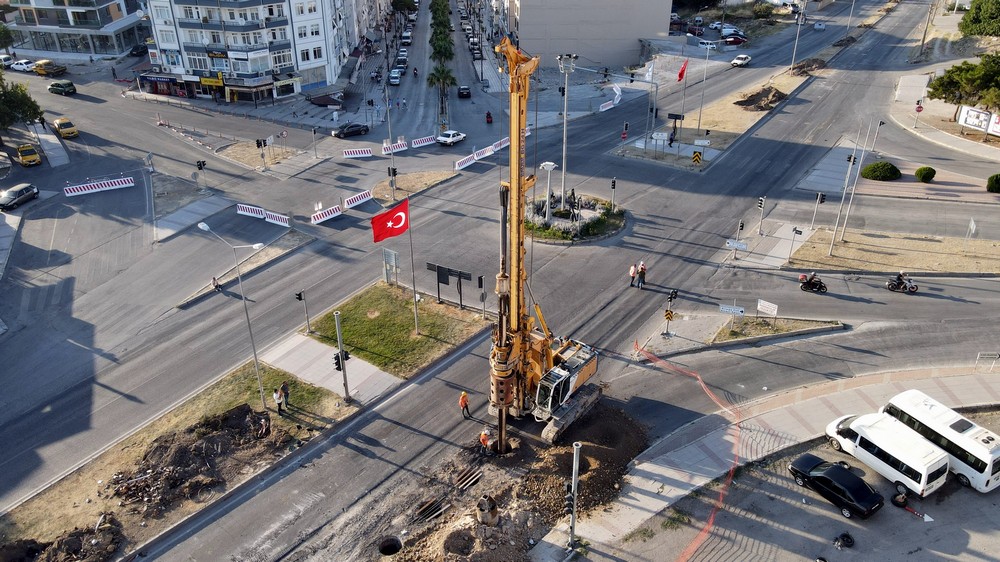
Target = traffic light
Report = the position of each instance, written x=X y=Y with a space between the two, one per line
x=260 y=143
x=822 y=198
x=631 y=77
x=562 y=91
x=606 y=72
x=201 y=164
x=741 y=225
x=626 y=126
x=613 y=180
x=760 y=202
x=672 y=296
x=264 y=141
x=347 y=355
x=568 y=499
x=298 y=296
x=336 y=362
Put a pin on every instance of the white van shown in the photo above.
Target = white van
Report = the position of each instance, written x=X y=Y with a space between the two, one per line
x=880 y=441
x=407 y=38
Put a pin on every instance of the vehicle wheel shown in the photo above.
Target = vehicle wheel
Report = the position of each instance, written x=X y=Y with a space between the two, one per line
x=364 y=131
x=799 y=480
x=898 y=500
x=964 y=480
x=846 y=512
x=803 y=286
x=822 y=289
x=901 y=489
x=12 y=207
x=913 y=288
x=891 y=286
x=835 y=445
x=846 y=540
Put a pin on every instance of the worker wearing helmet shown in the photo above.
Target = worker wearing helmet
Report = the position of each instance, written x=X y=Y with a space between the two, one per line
x=900 y=277
x=463 y=403
x=484 y=440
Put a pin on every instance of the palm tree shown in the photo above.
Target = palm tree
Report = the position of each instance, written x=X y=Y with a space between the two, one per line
x=442 y=78
x=442 y=48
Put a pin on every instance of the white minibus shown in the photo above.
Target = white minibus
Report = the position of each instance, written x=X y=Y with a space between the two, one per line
x=974 y=451
x=880 y=441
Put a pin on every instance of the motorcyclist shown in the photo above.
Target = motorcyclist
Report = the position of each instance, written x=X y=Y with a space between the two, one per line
x=900 y=277
x=813 y=279
x=489 y=117
x=414 y=71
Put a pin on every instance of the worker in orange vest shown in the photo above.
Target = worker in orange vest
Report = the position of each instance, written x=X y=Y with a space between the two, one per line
x=463 y=403
x=484 y=439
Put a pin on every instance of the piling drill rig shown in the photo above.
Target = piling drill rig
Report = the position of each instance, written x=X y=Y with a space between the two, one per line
x=531 y=372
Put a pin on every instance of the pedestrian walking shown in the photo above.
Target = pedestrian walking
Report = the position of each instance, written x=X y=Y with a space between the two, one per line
x=114 y=73
x=672 y=136
x=336 y=116
x=463 y=403
x=397 y=104
x=280 y=401
x=404 y=103
x=284 y=393
x=484 y=440
x=641 y=275
x=216 y=285
x=631 y=275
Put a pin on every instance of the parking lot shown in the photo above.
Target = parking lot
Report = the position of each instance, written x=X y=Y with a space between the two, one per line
x=766 y=516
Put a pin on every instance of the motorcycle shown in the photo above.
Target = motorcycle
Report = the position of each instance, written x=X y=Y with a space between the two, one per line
x=906 y=286
x=816 y=286
x=489 y=117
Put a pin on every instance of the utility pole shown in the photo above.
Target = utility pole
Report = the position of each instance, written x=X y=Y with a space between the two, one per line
x=566 y=66
x=342 y=356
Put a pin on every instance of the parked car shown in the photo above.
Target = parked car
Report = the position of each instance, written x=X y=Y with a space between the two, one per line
x=477 y=54
x=727 y=31
x=139 y=50
x=741 y=60
x=23 y=65
x=695 y=30
x=837 y=484
x=404 y=53
x=62 y=87
x=450 y=138
x=464 y=92
x=65 y=128
x=6 y=60
x=715 y=25
x=394 y=76
x=22 y=193
x=28 y=156
x=46 y=67
x=350 y=130
x=735 y=40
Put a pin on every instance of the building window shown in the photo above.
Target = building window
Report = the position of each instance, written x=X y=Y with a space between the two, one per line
x=189 y=13
x=281 y=59
x=161 y=13
x=197 y=62
x=302 y=32
x=168 y=36
x=317 y=53
x=311 y=7
x=304 y=55
x=300 y=8
x=314 y=30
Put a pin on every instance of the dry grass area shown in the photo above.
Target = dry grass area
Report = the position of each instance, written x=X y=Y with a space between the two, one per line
x=887 y=251
x=409 y=184
x=247 y=153
x=764 y=326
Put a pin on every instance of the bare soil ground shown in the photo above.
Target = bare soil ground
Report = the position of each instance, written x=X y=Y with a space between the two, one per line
x=764 y=326
x=527 y=486
x=247 y=153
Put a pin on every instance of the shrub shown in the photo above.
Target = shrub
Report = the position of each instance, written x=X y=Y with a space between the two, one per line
x=762 y=11
x=881 y=171
x=993 y=183
x=925 y=174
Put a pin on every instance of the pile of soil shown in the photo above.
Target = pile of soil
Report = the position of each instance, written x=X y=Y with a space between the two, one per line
x=528 y=487
x=844 y=41
x=807 y=66
x=763 y=99
x=96 y=544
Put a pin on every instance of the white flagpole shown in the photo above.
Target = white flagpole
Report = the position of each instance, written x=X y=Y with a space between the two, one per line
x=684 y=90
x=413 y=269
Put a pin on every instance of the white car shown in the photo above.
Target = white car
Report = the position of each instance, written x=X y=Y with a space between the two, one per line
x=404 y=53
x=6 y=60
x=449 y=138
x=715 y=25
x=23 y=66
x=394 y=77
x=741 y=60
x=727 y=31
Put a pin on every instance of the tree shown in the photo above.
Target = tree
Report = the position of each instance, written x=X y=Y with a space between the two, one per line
x=983 y=18
x=17 y=105
x=955 y=86
x=6 y=38
x=442 y=48
x=442 y=78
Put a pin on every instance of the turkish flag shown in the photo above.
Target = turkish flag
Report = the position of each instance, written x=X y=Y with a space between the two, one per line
x=684 y=67
x=393 y=222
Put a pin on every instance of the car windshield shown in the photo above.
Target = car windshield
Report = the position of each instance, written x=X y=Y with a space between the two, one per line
x=65 y=125
x=6 y=196
x=26 y=151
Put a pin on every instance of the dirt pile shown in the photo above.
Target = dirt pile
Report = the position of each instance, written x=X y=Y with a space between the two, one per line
x=87 y=545
x=527 y=485
x=763 y=99
x=807 y=66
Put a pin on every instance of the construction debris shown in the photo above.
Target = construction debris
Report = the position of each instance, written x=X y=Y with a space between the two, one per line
x=763 y=99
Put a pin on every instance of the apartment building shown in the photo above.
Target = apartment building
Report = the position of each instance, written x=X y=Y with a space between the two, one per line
x=95 y=27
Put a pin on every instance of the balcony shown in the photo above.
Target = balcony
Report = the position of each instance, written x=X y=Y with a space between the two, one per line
x=228 y=4
x=276 y=21
x=248 y=48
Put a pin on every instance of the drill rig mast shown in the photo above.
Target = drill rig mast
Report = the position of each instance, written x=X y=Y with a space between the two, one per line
x=530 y=371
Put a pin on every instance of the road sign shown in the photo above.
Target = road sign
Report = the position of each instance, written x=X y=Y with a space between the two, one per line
x=668 y=314
x=737 y=244
x=768 y=308
x=702 y=142
x=696 y=157
x=734 y=310
x=920 y=108
x=661 y=136
x=624 y=135
x=677 y=116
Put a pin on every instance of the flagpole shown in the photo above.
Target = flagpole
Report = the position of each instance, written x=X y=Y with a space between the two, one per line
x=413 y=273
x=683 y=99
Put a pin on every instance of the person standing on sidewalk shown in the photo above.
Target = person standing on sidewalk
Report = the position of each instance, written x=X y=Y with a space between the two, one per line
x=642 y=275
x=114 y=74
x=631 y=274
x=463 y=403
x=284 y=393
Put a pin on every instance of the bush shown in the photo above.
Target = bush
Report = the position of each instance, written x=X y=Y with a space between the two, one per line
x=993 y=183
x=881 y=171
x=762 y=11
x=925 y=174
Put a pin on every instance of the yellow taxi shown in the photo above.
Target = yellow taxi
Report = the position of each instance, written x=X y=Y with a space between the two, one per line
x=65 y=128
x=28 y=156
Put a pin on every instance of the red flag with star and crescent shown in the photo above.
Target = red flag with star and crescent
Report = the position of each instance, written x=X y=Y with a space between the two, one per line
x=684 y=67
x=391 y=223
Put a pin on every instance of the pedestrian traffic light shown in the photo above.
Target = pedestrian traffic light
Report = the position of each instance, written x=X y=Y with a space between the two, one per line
x=613 y=181
x=568 y=499
x=336 y=362
x=298 y=296
x=741 y=225
x=822 y=198
x=260 y=143
x=672 y=296
x=760 y=202
x=562 y=91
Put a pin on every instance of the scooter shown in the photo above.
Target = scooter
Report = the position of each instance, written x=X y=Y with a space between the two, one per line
x=906 y=286
x=489 y=117
x=816 y=286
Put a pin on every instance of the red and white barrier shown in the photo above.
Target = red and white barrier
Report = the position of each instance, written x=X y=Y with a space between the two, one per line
x=357 y=153
x=393 y=148
x=423 y=141
x=502 y=143
x=249 y=210
x=355 y=200
x=607 y=105
x=483 y=153
x=326 y=214
x=95 y=186
x=465 y=162
x=275 y=218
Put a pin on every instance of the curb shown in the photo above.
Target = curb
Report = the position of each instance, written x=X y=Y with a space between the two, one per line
x=752 y=340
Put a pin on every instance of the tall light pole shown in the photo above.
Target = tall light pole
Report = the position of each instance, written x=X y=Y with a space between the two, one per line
x=388 y=119
x=854 y=187
x=800 y=18
x=566 y=66
x=548 y=167
x=851 y=16
x=704 y=85
x=246 y=310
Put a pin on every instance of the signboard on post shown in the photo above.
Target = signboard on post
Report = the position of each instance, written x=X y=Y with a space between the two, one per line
x=767 y=308
x=734 y=310
x=736 y=245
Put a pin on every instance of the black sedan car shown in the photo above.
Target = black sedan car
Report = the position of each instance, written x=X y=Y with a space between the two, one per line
x=351 y=129
x=837 y=484
x=139 y=50
x=464 y=92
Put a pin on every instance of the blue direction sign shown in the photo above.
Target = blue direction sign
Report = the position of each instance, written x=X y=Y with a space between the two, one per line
x=727 y=309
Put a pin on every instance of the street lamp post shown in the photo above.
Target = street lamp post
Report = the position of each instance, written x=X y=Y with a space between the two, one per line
x=566 y=66
x=854 y=187
x=704 y=85
x=548 y=167
x=798 y=27
x=388 y=119
x=246 y=310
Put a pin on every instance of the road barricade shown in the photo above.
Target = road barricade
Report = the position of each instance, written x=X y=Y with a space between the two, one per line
x=355 y=200
x=357 y=153
x=422 y=141
x=326 y=214
x=465 y=162
x=393 y=148
x=483 y=153
x=249 y=210
x=95 y=186
x=607 y=105
x=275 y=218
x=502 y=143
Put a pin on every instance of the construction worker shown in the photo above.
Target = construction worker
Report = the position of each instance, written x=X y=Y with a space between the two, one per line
x=484 y=439
x=463 y=403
